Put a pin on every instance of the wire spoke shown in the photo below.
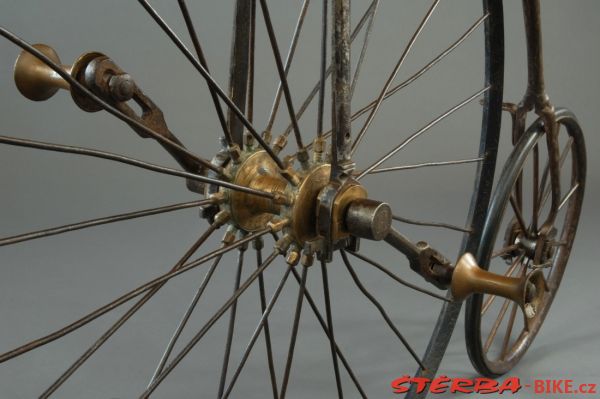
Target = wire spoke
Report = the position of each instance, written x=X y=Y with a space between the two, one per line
x=496 y=325
x=126 y=297
x=190 y=345
x=198 y=48
x=419 y=132
x=308 y=100
x=292 y=347
x=568 y=195
x=129 y=161
x=431 y=224
x=379 y=307
x=210 y=80
x=336 y=368
x=392 y=76
x=119 y=323
x=363 y=50
x=517 y=211
x=426 y=164
x=106 y=106
x=100 y=221
x=544 y=189
x=509 y=328
x=231 y=327
x=263 y=306
x=323 y=324
x=262 y=324
x=395 y=277
x=282 y=72
x=505 y=250
x=288 y=64
x=415 y=76
x=186 y=316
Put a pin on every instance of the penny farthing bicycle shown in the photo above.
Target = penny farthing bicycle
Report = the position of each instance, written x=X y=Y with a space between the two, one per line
x=304 y=199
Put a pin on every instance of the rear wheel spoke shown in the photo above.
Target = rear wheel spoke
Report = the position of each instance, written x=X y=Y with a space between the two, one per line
x=426 y=165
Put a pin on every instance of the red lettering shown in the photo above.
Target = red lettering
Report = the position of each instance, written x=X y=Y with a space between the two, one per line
x=512 y=385
x=568 y=386
x=556 y=386
x=421 y=383
x=592 y=388
x=485 y=385
x=462 y=385
x=539 y=386
x=398 y=385
x=439 y=384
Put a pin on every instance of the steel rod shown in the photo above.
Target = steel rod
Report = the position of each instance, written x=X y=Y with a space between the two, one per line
x=379 y=307
x=129 y=161
x=190 y=345
x=392 y=76
x=119 y=323
x=421 y=131
x=211 y=82
x=100 y=221
x=125 y=298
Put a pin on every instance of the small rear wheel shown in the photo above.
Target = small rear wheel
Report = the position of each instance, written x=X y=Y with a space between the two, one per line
x=516 y=241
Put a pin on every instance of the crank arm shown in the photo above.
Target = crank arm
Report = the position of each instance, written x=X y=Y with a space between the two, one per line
x=103 y=77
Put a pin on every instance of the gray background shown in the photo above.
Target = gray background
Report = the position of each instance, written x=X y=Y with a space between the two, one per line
x=48 y=283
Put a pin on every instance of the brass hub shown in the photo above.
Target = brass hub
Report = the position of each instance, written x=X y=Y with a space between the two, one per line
x=258 y=171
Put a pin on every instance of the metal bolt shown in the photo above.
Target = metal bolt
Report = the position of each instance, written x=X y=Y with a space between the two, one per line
x=248 y=141
x=121 y=87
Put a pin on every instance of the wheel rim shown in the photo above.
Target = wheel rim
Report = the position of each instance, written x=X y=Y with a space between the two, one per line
x=494 y=354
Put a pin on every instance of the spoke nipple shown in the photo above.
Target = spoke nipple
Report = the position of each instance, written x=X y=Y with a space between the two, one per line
x=319 y=146
x=291 y=176
x=303 y=158
x=278 y=225
x=283 y=244
x=248 y=142
x=235 y=153
x=281 y=198
x=307 y=259
x=293 y=255
x=279 y=144
x=217 y=198
x=221 y=218
x=267 y=136
x=258 y=243
x=229 y=235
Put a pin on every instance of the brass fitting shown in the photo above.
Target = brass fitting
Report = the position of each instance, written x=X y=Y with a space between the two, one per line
x=279 y=144
x=293 y=255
